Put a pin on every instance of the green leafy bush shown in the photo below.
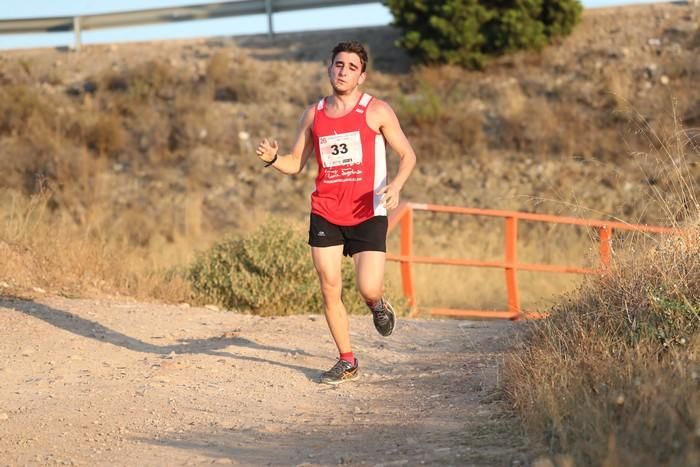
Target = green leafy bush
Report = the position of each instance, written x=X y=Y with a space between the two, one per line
x=465 y=32
x=268 y=272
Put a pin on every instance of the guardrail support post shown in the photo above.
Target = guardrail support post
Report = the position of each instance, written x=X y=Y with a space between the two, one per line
x=268 y=12
x=407 y=251
x=605 y=234
x=77 y=40
x=511 y=239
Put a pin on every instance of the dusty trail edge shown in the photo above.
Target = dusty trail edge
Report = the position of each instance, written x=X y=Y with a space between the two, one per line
x=118 y=382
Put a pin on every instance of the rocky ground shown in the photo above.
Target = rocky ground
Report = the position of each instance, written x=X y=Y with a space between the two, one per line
x=105 y=382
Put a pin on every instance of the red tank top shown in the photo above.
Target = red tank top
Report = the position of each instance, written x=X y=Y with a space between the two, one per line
x=351 y=160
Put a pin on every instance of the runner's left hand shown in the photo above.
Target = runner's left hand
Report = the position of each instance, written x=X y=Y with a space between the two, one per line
x=390 y=196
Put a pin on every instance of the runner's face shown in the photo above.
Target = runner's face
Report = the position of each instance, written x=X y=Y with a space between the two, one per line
x=346 y=72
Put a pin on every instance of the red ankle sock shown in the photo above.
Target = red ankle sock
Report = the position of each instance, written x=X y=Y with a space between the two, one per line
x=376 y=305
x=348 y=357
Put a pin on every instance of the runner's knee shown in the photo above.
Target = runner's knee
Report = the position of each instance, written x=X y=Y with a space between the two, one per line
x=331 y=288
x=370 y=292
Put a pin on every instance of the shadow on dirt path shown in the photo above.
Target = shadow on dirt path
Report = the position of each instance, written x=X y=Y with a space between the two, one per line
x=94 y=330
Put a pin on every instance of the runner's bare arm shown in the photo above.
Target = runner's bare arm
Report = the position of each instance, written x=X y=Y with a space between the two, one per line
x=294 y=162
x=382 y=116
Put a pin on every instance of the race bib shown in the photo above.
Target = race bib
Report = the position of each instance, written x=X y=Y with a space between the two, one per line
x=342 y=149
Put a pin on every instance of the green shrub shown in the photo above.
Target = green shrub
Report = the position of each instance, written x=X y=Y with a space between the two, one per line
x=425 y=107
x=465 y=32
x=268 y=272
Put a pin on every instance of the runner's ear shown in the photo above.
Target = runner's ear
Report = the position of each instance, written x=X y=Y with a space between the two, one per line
x=362 y=78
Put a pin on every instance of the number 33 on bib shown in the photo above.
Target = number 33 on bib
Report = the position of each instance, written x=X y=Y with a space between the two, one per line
x=342 y=149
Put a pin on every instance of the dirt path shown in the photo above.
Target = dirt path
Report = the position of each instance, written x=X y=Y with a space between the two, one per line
x=85 y=382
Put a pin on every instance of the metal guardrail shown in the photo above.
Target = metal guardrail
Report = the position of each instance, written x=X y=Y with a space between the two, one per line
x=77 y=24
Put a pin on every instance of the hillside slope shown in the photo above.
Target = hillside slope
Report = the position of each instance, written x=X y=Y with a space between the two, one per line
x=148 y=148
x=181 y=117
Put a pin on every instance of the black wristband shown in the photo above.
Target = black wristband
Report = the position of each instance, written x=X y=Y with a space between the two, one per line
x=268 y=164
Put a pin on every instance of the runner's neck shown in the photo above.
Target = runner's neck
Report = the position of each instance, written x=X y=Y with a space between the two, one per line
x=339 y=104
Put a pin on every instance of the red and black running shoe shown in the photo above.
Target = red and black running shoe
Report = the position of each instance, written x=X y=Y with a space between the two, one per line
x=341 y=372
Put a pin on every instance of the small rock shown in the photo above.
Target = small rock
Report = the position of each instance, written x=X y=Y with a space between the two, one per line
x=650 y=70
x=38 y=290
x=664 y=80
x=211 y=307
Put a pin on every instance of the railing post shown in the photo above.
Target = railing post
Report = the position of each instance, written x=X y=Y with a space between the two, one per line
x=511 y=241
x=407 y=251
x=77 y=39
x=605 y=234
x=268 y=11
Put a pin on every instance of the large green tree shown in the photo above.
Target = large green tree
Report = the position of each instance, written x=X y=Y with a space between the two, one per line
x=465 y=32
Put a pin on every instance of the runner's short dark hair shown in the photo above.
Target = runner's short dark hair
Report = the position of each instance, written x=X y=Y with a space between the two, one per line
x=353 y=47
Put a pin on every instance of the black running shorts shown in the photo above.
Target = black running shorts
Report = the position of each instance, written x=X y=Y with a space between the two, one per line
x=369 y=235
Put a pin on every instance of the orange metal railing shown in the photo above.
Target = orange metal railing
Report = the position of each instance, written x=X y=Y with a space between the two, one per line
x=402 y=217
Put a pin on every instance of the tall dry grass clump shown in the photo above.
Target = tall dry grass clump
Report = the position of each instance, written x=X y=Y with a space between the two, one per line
x=613 y=376
x=49 y=252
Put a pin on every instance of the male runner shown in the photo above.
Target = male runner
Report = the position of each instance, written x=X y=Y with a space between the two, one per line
x=347 y=132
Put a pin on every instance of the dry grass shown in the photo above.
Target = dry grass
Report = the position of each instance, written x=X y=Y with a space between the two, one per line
x=50 y=252
x=613 y=377
x=455 y=236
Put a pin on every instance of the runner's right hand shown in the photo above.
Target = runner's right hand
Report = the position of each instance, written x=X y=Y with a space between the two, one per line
x=267 y=149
